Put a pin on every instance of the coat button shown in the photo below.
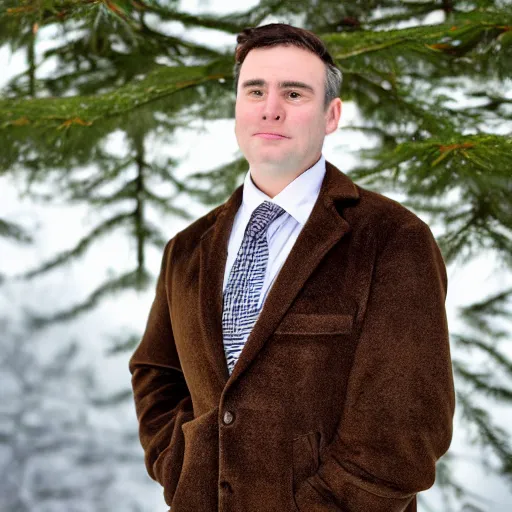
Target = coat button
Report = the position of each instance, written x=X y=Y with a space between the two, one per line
x=228 y=418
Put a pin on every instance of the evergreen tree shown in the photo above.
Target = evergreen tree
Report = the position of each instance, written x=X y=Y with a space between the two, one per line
x=432 y=96
x=109 y=61
x=53 y=456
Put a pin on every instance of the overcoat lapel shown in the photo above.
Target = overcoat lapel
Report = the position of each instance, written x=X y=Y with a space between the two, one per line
x=324 y=228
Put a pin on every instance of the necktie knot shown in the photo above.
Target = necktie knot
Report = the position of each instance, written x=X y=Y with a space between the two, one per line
x=262 y=216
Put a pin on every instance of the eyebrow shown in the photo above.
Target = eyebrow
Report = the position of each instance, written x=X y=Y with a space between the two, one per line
x=282 y=85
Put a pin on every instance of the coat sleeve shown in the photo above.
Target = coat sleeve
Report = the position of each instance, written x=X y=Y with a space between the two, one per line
x=397 y=419
x=162 y=398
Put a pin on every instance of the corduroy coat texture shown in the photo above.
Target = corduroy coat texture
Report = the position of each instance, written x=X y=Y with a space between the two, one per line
x=342 y=398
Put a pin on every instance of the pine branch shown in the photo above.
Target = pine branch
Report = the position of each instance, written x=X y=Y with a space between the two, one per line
x=380 y=97
x=167 y=206
x=494 y=305
x=69 y=255
x=113 y=399
x=63 y=113
x=499 y=358
x=14 y=232
x=465 y=240
x=218 y=182
x=138 y=279
x=222 y=23
x=447 y=483
x=433 y=166
x=126 y=191
x=477 y=165
x=487 y=433
x=480 y=382
x=122 y=344
x=151 y=233
x=481 y=315
x=83 y=189
x=420 y=41
x=416 y=10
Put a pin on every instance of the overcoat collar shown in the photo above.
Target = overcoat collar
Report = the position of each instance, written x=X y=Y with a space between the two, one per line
x=322 y=230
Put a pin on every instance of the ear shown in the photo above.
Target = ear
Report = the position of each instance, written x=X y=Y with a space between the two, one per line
x=332 y=116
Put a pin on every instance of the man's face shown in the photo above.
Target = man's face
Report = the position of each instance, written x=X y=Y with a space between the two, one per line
x=280 y=120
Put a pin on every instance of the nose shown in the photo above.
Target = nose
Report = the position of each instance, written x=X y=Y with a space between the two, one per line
x=272 y=109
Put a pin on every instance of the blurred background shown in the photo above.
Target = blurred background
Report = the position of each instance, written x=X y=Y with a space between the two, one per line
x=117 y=131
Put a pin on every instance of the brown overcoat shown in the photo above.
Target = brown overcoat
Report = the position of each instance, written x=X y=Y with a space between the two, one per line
x=342 y=398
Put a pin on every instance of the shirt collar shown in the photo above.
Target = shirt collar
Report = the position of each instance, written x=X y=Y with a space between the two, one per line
x=297 y=198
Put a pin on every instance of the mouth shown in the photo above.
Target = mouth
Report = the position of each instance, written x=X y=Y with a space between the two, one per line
x=270 y=135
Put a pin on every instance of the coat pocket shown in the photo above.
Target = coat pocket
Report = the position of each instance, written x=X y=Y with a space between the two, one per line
x=306 y=458
x=197 y=485
x=312 y=324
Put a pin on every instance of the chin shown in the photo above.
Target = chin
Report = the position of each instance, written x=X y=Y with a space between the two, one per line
x=274 y=158
x=279 y=167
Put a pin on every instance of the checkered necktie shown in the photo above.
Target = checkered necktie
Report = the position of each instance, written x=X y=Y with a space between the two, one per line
x=245 y=282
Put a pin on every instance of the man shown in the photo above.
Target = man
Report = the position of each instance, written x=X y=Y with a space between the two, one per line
x=296 y=355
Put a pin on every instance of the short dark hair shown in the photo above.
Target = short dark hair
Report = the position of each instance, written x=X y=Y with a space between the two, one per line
x=281 y=34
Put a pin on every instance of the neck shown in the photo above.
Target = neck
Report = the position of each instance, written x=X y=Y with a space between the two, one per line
x=271 y=181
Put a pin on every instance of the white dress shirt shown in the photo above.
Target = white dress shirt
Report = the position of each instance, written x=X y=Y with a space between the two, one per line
x=297 y=199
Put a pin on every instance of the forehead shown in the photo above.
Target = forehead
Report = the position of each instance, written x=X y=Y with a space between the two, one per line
x=282 y=63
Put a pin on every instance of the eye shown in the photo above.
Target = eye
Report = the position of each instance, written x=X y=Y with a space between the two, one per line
x=255 y=92
x=294 y=95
